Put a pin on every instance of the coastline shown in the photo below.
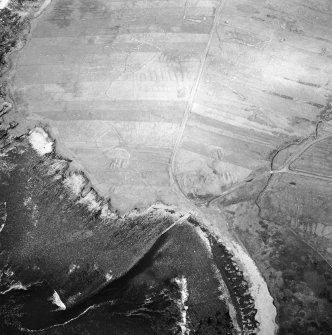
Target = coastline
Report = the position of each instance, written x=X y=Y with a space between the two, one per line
x=264 y=303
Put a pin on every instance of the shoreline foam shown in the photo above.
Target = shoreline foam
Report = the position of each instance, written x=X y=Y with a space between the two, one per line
x=266 y=310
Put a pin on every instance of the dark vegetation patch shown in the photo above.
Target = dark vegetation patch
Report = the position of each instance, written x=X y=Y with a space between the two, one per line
x=299 y=279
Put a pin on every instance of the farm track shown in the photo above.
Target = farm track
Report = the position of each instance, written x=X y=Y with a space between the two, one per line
x=173 y=178
x=284 y=169
x=287 y=169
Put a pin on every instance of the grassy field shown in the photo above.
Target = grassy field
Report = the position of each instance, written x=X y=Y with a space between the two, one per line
x=114 y=81
x=316 y=160
x=265 y=83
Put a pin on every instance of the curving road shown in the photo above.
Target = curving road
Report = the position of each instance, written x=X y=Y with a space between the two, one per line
x=192 y=96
